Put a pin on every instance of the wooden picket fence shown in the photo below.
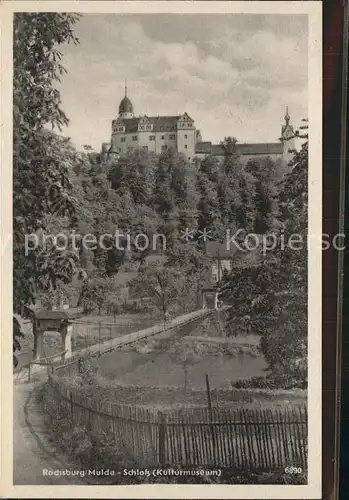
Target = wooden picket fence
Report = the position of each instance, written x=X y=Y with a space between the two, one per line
x=255 y=440
x=245 y=439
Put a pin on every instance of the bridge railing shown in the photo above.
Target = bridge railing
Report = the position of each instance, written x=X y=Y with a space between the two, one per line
x=107 y=345
x=59 y=366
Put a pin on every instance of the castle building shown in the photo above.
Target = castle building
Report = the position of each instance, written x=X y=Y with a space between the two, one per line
x=179 y=133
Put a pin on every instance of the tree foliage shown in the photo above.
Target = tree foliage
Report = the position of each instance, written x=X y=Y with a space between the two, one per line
x=114 y=300
x=41 y=159
x=161 y=284
x=186 y=353
x=271 y=298
x=57 y=190
x=96 y=292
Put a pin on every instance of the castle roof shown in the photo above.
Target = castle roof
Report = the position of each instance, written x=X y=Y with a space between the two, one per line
x=264 y=148
x=113 y=149
x=204 y=147
x=164 y=123
x=217 y=150
x=257 y=149
x=160 y=123
x=125 y=106
x=69 y=313
x=130 y=124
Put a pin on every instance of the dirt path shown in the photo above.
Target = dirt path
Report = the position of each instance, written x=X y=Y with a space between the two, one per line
x=33 y=451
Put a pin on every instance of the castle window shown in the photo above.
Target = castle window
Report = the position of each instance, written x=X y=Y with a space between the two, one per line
x=172 y=137
x=163 y=148
x=123 y=139
x=162 y=137
x=185 y=146
x=121 y=129
x=185 y=136
x=148 y=127
x=145 y=148
x=152 y=137
x=134 y=137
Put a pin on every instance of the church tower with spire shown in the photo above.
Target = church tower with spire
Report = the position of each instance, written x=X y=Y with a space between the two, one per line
x=287 y=138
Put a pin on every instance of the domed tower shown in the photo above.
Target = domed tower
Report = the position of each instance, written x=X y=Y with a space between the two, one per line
x=126 y=107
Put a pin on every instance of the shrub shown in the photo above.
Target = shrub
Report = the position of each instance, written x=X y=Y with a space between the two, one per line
x=272 y=381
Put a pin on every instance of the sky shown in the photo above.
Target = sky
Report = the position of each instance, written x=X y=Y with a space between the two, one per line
x=234 y=74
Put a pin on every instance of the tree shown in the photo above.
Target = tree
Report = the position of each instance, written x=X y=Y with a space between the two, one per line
x=235 y=190
x=17 y=334
x=95 y=292
x=133 y=180
x=270 y=298
x=186 y=353
x=55 y=298
x=163 y=200
x=209 y=214
x=191 y=259
x=174 y=196
x=230 y=151
x=266 y=190
x=162 y=285
x=134 y=175
x=41 y=160
x=114 y=301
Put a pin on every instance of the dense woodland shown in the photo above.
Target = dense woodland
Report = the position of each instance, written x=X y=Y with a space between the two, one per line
x=60 y=190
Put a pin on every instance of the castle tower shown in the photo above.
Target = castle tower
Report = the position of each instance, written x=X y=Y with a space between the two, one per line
x=287 y=138
x=186 y=135
x=126 y=106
